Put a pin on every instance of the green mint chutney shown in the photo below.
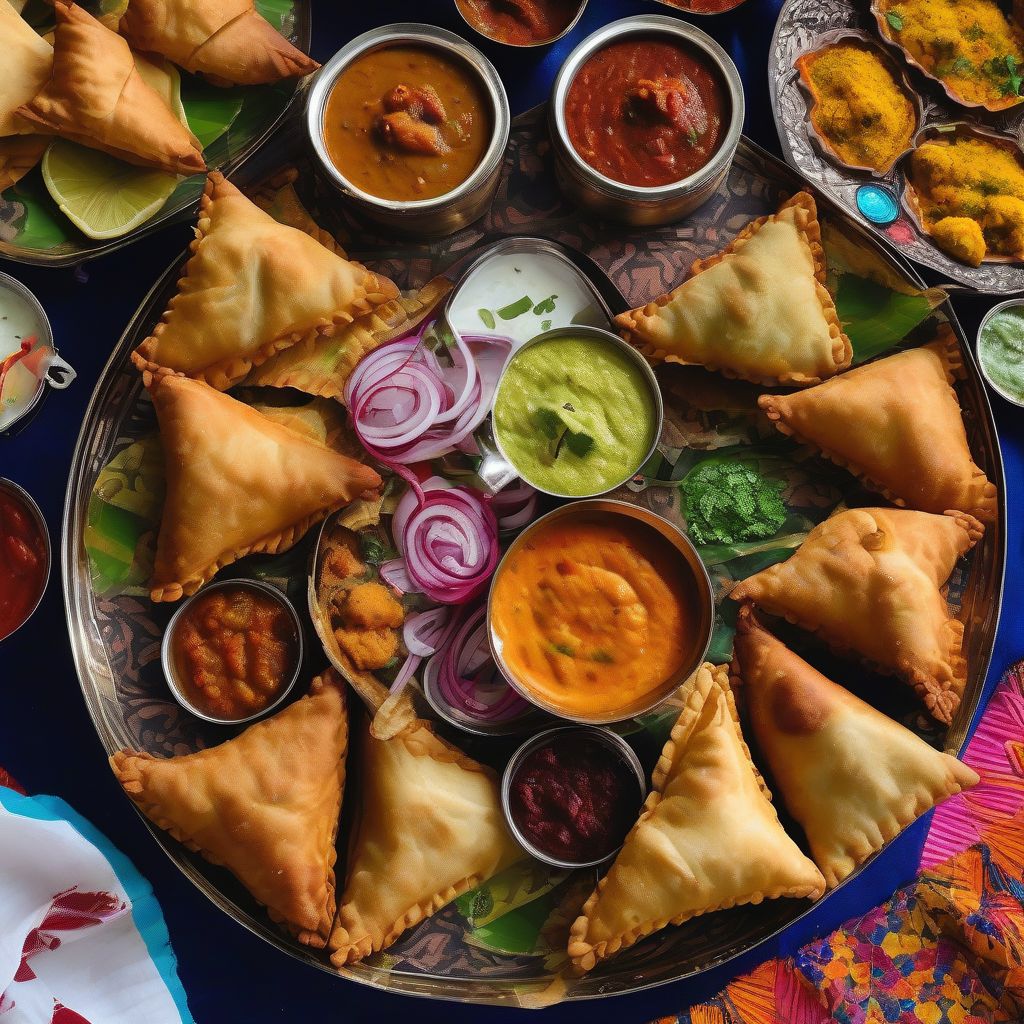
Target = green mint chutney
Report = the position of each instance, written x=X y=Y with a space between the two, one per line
x=574 y=415
x=1001 y=351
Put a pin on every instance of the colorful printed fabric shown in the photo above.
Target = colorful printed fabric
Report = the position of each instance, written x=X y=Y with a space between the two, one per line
x=947 y=949
x=78 y=914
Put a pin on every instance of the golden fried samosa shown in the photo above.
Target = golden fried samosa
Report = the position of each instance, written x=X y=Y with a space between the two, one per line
x=851 y=776
x=225 y=40
x=237 y=483
x=264 y=805
x=95 y=96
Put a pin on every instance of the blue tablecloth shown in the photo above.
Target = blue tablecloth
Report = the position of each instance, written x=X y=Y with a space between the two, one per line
x=47 y=740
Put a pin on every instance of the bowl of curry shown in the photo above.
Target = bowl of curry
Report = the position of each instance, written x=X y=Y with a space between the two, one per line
x=646 y=114
x=521 y=23
x=233 y=651
x=599 y=611
x=410 y=123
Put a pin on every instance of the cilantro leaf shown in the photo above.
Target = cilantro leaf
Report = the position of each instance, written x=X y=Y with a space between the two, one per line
x=895 y=21
x=579 y=444
x=549 y=422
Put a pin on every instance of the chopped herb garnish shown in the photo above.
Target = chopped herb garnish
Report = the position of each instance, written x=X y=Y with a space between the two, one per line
x=579 y=444
x=371 y=549
x=895 y=20
x=517 y=308
x=727 y=502
x=545 y=325
x=692 y=136
x=549 y=423
x=974 y=33
x=487 y=316
x=1005 y=72
x=563 y=649
x=962 y=66
x=603 y=657
x=545 y=306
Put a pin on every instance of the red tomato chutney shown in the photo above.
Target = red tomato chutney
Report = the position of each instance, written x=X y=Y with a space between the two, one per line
x=574 y=797
x=234 y=650
x=519 y=22
x=24 y=561
x=647 y=111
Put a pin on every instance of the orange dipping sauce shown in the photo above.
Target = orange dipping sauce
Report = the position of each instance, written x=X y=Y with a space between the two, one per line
x=234 y=650
x=595 y=617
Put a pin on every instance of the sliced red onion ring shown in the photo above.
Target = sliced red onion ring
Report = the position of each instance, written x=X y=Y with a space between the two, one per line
x=515 y=506
x=407 y=407
x=424 y=631
x=395 y=573
x=449 y=539
x=464 y=674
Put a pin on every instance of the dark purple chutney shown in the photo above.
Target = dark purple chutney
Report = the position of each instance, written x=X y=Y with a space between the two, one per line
x=574 y=798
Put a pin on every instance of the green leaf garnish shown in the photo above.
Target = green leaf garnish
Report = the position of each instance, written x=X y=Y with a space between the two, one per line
x=549 y=422
x=579 y=444
x=603 y=657
x=895 y=20
x=488 y=318
x=692 y=136
x=545 y=325
x=563 y=649
x=545 y=305
x=517 y=308
x=371 y=549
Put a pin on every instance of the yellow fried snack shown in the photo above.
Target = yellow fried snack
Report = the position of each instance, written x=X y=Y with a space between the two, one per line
x=225 y=40
x=95 y=96
x=429 y=828
x=895 y=423
x=757 y=310
x=252 y=287
x=265 y=805
x=868 y=580
x=708 y=836
x=237 y=483
x=851 y=777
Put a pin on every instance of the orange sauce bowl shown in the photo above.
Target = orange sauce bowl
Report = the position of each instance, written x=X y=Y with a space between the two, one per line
x=233 y=651
x=599 y=611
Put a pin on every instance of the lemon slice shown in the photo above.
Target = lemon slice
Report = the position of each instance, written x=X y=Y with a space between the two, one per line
x=102 y=196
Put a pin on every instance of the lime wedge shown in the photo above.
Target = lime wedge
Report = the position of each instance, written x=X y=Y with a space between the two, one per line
x=163 y=77
x=101 y=195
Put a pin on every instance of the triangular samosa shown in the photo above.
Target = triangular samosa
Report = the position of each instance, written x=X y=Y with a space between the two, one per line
x=429 y=828
x=28 y=59
x=264 y=805
x=252 y=287
x=237 y=483
x=708 y=836
x=225 y=40
x=868 y=580
x=896 y=424
x=96 y=96
x=851 y=776
x=758 y=310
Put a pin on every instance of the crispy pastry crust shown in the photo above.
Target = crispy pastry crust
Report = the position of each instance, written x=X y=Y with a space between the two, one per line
x=940 y=696
x=806 y=220
x=708 y=682
x=224 y=373
x=131 y=769
x=807 y=725
x=946 y=347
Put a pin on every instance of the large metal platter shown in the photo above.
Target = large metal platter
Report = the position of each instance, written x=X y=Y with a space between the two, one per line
x=801 y=24
x=32 y=229
x=115 y=639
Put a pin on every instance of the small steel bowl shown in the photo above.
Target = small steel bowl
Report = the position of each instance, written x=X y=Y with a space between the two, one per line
x=662 y=204
x=581 y=7
x=167 y=661
x=36 y=513
x=612 y=740
x=998 y=308
x=599 y=508
x=58 y=373
x=579 y=331
x=423 y=218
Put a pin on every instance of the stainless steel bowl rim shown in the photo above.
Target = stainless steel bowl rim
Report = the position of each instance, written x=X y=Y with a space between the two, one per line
x=172 y=625
x=648 y=24
x=416 y=34
x=997 y=308
x=527 y=46
x=32 y=505
x=576 y=331
x=675 y=536
x=602 y=735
